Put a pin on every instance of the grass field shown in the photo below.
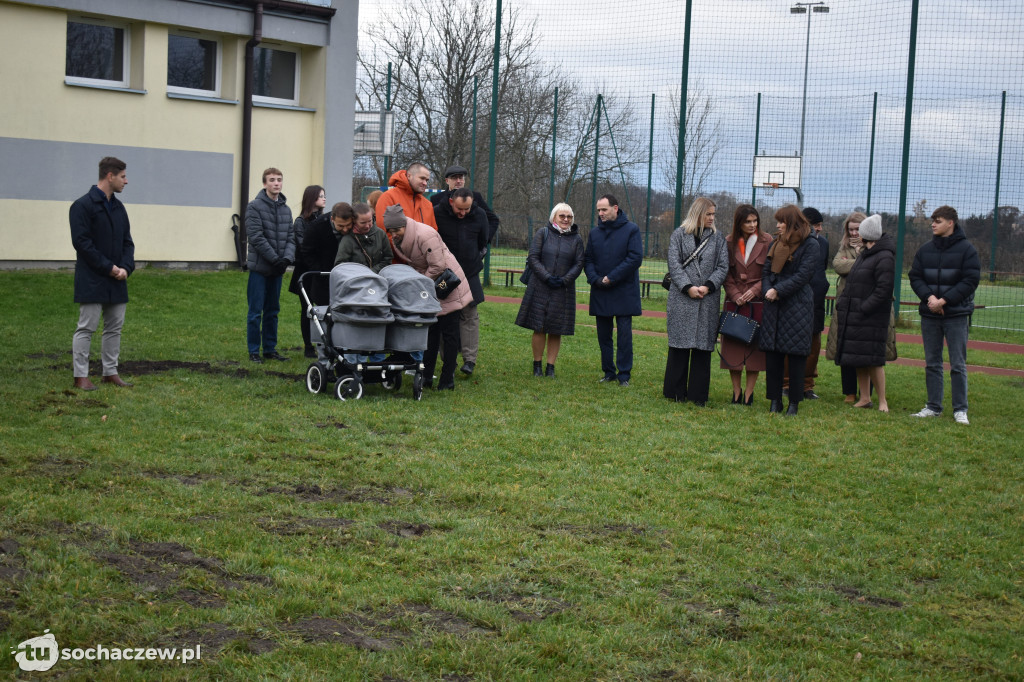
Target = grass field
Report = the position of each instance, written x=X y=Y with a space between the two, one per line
x=515 y=529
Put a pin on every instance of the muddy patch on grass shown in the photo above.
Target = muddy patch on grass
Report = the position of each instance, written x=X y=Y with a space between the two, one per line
x=436 y=619
x=200 y=599
x=311 y=492
x=304 y=526
x=56 y=466
x=134 y=368
x=178 y=555
x=58 y=400
x=141 y=571
x=330 y=424
x=80 y=534
x=404 y=529
x=185 y=479
x=6 y=606
x=857 y=597
x=357 y=631
x=12 y=564
x=721 y=622
x=213 y=637
x=527 y=608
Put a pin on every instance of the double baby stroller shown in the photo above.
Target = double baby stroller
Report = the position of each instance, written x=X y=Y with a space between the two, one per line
x=368 y=315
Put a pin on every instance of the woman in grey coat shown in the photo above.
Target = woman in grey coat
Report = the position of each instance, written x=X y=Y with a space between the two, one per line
x=693 y=302
x=549 y=304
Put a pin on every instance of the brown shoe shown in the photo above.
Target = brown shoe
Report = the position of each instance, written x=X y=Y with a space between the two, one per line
x=83 y=383
x=116 y=380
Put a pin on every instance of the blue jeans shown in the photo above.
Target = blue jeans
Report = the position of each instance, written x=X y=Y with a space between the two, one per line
x=264 y=294
x=954 y=330
x=624 y=358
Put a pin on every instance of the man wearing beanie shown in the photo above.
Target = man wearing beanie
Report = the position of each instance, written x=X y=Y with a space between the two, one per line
x=945 y=275
x=819 y=285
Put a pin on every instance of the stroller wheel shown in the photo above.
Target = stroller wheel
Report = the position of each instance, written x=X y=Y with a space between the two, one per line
x=417 y=386
x=392 y=381
x=348 y=388
x=316 y=377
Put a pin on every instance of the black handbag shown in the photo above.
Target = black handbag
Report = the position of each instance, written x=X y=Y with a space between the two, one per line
x=445 y=283
x=737 y=327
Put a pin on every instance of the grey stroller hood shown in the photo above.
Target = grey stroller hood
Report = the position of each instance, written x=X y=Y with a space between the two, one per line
x=411 y=294
x=358 y=296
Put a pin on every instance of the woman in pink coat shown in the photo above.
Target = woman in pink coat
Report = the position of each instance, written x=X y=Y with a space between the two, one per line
x=423 y=248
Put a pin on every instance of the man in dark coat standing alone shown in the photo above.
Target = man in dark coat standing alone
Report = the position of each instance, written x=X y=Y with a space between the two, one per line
x=612 y=265
x=269 y=229
x=102 y=238
x=945 y=275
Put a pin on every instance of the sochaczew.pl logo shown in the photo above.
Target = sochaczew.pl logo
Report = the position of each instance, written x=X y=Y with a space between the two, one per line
x=41 y=653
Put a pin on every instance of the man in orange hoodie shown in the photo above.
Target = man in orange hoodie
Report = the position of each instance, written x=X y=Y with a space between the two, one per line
x=407 y=188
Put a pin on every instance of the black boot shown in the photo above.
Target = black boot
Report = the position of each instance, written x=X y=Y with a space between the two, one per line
x=791 y=410
x=750 y=400
x=536 y=369
x=776 y=406
x=549 y=371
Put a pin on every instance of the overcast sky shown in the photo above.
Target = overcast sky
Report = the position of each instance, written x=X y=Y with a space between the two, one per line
x=968 y=52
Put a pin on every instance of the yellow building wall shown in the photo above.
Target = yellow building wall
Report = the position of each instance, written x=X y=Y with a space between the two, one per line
x=38 y=105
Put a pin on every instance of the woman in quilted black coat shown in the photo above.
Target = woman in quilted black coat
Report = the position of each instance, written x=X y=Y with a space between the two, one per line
x=788 y=319
x=549 y=304
x=863 y=311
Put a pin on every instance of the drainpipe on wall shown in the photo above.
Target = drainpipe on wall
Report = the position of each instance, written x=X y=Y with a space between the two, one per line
x=250 y=48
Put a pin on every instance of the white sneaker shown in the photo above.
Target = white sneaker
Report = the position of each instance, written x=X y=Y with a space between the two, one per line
x=961 y=417
x=929 y=412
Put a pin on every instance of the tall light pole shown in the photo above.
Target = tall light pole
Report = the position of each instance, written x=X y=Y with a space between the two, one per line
x=807 y=8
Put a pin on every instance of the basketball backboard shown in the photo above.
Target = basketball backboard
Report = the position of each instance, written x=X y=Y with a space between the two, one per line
x=777 y=171
x=375 y=133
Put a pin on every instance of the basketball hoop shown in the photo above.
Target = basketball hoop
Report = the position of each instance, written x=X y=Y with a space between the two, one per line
x=769 y=188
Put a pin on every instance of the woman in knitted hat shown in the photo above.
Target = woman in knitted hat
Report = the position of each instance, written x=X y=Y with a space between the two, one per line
x=422 y=247
x=863 y=311
x=788 y=319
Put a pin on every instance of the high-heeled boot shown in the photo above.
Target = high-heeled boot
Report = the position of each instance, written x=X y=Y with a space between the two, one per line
x=791 y=410
x=775 y=406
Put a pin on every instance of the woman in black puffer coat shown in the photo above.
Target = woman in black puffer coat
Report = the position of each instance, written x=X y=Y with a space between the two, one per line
x=863 y=309
x=788 y=317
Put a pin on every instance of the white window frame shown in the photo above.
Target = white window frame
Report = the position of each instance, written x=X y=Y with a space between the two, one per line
x=126 y=53
x=178 y=90
x=298 y=77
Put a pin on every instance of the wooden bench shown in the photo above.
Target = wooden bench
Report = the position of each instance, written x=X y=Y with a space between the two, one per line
x=510 y=275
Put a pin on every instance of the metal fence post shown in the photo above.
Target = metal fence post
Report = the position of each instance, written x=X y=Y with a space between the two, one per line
x=472 y=153
x=597 y=156
x=682 y=114
x=554 y=140
x=995 y=210
x=650 y=171
x=494 y=130
x=387 y=105
x=871 y=156
x=901 y=225
x=757 y=139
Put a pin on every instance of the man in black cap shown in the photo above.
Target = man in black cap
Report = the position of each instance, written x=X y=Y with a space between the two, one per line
x=455 y=178
x=819 y=285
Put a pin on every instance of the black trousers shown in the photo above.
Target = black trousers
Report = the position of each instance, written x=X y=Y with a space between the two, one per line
x=775 y=364
x=849 y=379
x=446 y=327
x=687 y=374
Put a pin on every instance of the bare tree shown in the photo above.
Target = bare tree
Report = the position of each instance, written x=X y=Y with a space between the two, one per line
x=702 y=142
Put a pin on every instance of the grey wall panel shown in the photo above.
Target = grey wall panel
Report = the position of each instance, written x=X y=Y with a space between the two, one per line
x=63 y=171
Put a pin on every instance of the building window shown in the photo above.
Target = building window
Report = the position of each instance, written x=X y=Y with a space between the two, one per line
x=193 y=65
x=97 y=53
x=276 y=76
